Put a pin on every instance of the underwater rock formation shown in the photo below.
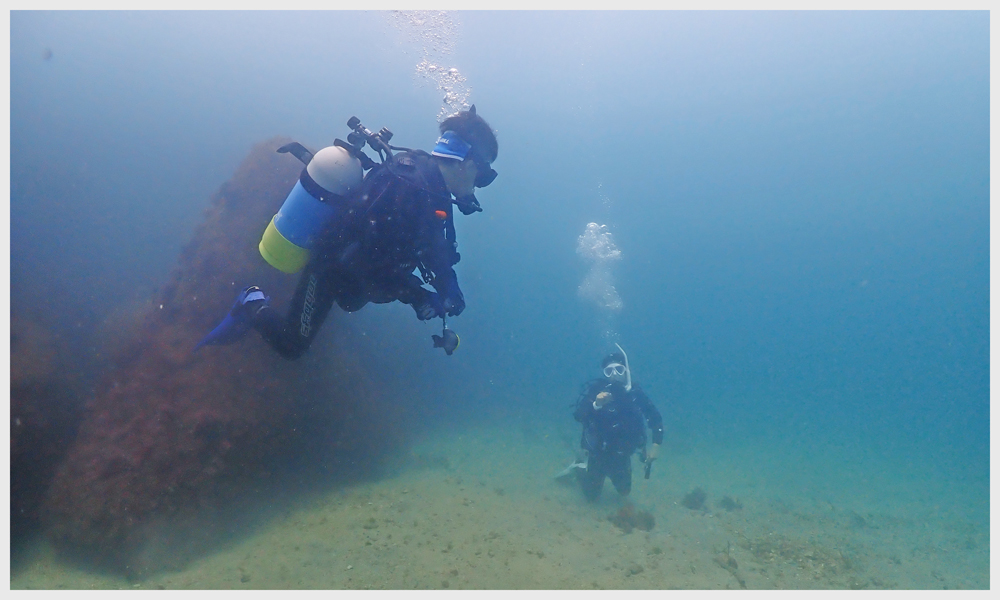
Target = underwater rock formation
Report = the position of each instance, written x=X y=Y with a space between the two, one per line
x=169 y=433
x=43 y=413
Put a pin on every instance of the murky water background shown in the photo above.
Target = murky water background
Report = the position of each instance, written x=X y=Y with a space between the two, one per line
x=800 y=203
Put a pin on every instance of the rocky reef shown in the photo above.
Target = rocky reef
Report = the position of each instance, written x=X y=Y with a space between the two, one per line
x=170 y=434
x=44 y=410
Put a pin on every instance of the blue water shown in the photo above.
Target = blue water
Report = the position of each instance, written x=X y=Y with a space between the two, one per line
x=801 y=200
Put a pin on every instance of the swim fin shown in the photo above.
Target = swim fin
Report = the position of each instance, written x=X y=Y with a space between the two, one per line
x=238 y=320
x=569 y=469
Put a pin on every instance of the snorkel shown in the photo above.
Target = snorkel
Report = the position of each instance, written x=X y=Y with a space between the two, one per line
x=628 y=371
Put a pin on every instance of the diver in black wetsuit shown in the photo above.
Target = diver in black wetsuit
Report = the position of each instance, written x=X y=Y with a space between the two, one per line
x=614 y=413
x=405 y=223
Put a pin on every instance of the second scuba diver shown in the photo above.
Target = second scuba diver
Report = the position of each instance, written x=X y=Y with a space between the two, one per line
x=614 y=413
x=397 y=220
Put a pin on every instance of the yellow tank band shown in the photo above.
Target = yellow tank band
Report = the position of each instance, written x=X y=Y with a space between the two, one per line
x=280 y=253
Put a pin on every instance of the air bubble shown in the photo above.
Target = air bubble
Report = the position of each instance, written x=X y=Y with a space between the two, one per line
x=597 y=246
x=435 y=32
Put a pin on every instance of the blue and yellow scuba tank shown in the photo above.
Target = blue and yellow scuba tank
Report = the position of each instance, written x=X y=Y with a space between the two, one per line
x=321 y=196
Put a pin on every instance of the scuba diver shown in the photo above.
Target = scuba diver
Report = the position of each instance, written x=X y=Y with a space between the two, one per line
x=361 y=237
x=614 y=413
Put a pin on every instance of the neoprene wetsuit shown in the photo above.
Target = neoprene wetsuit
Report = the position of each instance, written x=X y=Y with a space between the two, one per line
x=613 y=433
x=403 y=220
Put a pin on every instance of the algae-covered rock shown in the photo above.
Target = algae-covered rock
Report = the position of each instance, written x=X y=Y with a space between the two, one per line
x=170 y=433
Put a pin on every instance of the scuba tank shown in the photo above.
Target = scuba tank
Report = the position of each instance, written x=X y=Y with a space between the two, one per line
x=320 y=196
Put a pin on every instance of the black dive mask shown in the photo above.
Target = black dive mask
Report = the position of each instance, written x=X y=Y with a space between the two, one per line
x=468 y=204
x=484 y=173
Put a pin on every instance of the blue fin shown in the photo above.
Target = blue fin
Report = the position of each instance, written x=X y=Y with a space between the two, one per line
x=237 y=321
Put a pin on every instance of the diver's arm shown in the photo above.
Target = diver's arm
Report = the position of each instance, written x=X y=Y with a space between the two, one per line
x=653 y=452
x=585 y=405
x=439 y=256
x=408 y=289
x=446 y=284
x=653 y=417
x=586 y=410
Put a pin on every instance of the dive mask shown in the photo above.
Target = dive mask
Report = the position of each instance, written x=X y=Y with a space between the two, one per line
x=484 y=172
x=614 y=369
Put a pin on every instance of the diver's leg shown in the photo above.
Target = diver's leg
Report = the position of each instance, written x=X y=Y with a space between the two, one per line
x=350 y=292
x=592 y=478
x=292 y=335
x=620 y=471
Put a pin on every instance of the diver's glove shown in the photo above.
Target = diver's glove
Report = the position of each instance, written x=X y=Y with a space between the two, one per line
x=428 y=306
x=454 y=301
x=239 y=320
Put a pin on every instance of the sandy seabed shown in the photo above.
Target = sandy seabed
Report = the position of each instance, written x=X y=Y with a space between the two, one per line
x=481 y=509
